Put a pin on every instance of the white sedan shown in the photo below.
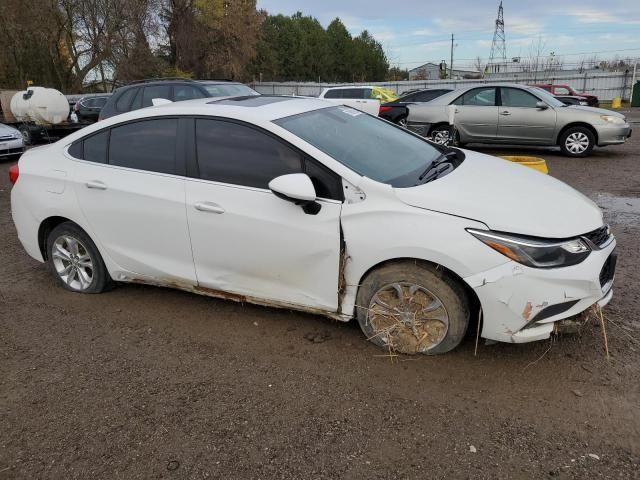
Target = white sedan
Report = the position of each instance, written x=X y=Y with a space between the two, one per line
x=11 y=144
x=302 y=204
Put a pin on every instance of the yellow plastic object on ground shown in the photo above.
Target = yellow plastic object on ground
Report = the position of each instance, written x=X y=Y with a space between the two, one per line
x=383 y=94
x=616 y=102
x=531 y=162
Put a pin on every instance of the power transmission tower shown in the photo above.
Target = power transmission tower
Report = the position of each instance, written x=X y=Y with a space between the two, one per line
x=499 y=44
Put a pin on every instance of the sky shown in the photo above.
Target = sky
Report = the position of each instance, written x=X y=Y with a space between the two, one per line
x=414 y=32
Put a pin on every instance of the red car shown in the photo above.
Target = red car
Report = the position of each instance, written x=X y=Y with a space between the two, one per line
x=556 y=89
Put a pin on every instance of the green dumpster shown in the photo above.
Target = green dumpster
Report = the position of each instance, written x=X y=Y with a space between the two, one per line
x=635 y=101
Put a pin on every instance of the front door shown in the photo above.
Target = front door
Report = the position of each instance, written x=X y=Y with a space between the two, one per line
x=521 y=121
x=245 y=240
x=133 y=200
x=476 y=115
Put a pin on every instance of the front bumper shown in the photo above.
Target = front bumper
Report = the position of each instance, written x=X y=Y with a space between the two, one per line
x=9 y=148
x=612 y=134
x=520 y=304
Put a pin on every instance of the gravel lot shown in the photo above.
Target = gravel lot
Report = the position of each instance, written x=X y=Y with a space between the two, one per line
x=146 y=382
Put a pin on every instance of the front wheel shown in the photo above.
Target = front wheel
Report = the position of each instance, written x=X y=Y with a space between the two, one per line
x=441 y=135
x=75 y=261
x=577 y=142
x=412 y=307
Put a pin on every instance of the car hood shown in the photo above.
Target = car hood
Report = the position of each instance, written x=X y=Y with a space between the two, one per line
x=507 y=197
x=7 y=130
x=597 y=111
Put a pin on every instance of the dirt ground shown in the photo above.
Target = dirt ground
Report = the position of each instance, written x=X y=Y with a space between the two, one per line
x=145 y=382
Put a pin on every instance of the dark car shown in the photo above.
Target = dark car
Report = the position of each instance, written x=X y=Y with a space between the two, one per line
x=572 y=100
x=87 y=109
x=141 y=94
x=563 y=90
x=397 y=110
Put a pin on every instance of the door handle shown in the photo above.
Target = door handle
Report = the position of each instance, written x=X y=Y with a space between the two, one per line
x=96 y=184
x=505 y=113
x=208 y=207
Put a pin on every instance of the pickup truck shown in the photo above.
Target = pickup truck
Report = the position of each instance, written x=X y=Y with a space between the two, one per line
x=561 y=90
x=360 y=97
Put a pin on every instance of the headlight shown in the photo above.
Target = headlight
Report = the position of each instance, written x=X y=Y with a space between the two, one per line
x=535 y=252
x=613 y=119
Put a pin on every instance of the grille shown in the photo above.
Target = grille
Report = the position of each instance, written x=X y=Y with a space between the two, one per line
x=608 y=269
x=11 y=151
x=598 y=237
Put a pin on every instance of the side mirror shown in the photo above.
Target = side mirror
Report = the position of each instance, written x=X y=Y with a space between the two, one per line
x=296 y=188
x=540 y=105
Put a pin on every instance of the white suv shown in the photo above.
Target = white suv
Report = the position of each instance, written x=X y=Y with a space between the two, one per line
x=302 y=204
x=361 y=98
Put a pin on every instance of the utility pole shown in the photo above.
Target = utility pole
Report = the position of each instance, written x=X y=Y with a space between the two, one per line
x=451 y=63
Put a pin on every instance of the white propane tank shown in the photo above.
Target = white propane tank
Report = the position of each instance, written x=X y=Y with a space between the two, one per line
x=43 y=106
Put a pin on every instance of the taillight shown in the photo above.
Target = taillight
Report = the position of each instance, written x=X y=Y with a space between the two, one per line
x=14 y=172
x=76 y=107
x=384 y=108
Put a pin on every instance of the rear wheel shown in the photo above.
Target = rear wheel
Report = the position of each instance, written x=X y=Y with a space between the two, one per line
x=402 y=121
x=412 y=307
x=75 y=261
x=577 y=142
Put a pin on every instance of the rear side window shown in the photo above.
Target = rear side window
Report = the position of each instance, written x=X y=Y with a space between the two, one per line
x=333 y=94
x=123 y=103
x=480 y=97
x=356 y=93
x=232 y=153
x=99 y=102
x=155 y=91
x=148 y=145
x=91 y=149
x=95 y=147
x=186 y=92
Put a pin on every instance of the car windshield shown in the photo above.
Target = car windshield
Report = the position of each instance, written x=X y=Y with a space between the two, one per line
x=367 y=145
x=229 y=90
x=545 y=96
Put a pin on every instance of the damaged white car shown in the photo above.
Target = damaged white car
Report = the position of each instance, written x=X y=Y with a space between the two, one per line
x=303 y=204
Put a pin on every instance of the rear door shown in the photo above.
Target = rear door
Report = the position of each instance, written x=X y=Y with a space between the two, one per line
x=129 y=181
x=245 y=240
x=476 y=114
x=521 y=121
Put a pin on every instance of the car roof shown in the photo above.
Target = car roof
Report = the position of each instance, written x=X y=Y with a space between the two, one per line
x=253 y=109
x=349 y=86
x=162 y=81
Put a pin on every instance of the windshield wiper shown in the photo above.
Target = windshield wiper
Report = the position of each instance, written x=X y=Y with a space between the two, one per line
x=447 y=157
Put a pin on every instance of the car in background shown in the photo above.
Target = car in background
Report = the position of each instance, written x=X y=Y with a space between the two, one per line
x=87 y=109
x=518 y=115
x=141 y=94
x=572 y=100
x=361 y=98
x=11 y=143
x=429 y=238
x=397 y=111
x=562 y=90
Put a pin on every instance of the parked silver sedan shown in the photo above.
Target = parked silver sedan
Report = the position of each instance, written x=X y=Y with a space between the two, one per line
x=517 y=114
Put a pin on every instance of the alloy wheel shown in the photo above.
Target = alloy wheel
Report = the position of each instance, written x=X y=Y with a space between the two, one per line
x=441 y=137
x=408 y=317
x=72 y=262
x=577 y=142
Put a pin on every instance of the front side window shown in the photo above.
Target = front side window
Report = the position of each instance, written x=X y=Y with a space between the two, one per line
x=333 y=93
x=514 y=97
x=147 y=145
x=237 y=154
x=479 y=97
x=367 y=145
x=562 y=91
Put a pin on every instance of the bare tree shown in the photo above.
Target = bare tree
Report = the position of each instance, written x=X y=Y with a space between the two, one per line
x=480 y=66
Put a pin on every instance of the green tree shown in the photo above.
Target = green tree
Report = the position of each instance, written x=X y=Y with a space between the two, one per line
x=340 y=51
